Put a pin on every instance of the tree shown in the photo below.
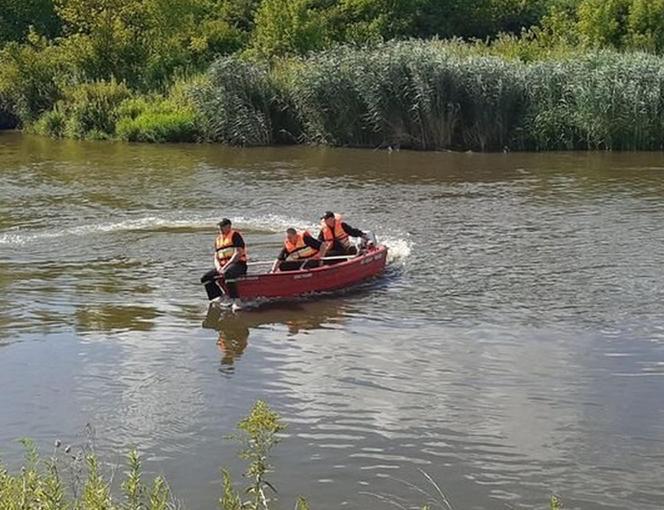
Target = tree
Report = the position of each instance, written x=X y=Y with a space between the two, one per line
x=603 y=23
x=16 y=17
x=646 y=25
x=287 y=27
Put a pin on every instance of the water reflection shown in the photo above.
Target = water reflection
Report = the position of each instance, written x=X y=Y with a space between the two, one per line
x=234 y=329
x=107 y=318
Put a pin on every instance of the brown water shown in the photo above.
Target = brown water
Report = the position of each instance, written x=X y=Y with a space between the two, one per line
x=514 y=349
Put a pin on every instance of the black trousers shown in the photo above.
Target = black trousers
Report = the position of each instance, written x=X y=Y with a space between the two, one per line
x=210 y=280
x=294 y=265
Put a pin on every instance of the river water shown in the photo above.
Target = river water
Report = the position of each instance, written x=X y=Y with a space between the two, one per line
x=513 y=349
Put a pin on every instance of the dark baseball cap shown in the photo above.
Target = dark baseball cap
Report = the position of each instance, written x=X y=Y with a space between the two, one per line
x=224 y=223
x=328 y=214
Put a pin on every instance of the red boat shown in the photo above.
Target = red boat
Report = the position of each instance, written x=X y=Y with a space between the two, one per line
x=285 y=284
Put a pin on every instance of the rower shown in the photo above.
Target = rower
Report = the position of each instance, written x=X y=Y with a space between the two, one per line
x=230 y=262
x=335 y=235
x=298 y=247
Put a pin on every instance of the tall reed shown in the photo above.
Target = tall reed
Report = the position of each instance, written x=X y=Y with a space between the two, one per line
x=438 y=95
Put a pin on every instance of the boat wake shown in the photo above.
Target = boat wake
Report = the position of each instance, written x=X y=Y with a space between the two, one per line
x=399 y=247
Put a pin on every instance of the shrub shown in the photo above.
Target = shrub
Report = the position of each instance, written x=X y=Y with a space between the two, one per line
x=286 y=27
x=161 y=119
x=159 y=127
x=30 y=78
x=52 y=123
x=41 y=484
x=91 y=108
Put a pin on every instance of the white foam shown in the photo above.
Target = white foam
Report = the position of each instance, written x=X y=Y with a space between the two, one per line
x=273 y=223
x=398 y=248
x=145 y=223
x=265 y=223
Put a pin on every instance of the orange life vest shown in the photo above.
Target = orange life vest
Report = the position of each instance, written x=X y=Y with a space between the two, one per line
x=336 y=233
x=298 y=249
x=224 y=248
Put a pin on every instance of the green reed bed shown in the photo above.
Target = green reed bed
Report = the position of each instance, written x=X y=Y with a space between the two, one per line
x=432 y=95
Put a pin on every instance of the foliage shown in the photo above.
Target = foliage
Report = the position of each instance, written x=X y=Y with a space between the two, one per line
x=105 y=110
x=17 y=16
x=259 y=433
x=601 y=101
x=41 y=484
x=52 y=123
x=242 y=103
x=339 y=72
x=156 y=118
x=415 y=95
x=158 y=126
x=29 y=78
x=286 y=27
x=439 y=95
x=88 y=110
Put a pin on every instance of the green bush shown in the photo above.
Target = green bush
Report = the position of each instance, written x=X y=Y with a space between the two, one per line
x=287 y=27
x=43 y=483
x=52 y=123
x=159 y=127
x=161 y=119
x=30 y=78
x=91 y=108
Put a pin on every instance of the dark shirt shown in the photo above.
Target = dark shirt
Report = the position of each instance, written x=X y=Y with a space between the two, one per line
x=353 y=232
x=238 y=241
x=308 y=240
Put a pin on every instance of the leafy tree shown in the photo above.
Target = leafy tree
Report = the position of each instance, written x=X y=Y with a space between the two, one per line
x=603 y=23
x=646 y=25
x=287 y=27
x=17 y=16
x=363 y=21
x=477 y=18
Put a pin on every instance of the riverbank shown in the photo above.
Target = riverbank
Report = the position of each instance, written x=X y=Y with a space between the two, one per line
x=423 y=95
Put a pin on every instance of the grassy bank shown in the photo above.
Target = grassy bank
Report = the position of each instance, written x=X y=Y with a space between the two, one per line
x=74 y=478
x=427 y=95
x=536 y=75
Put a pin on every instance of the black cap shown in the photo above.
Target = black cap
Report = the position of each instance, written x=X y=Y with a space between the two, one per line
x=225 y=222
x=328 y=214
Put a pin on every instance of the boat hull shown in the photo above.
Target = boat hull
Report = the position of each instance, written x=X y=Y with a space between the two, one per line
x=286 y=284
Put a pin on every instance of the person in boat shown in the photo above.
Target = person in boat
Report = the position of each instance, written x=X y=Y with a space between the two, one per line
x=335 y=235
x=230 y=262
x=301 y=251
